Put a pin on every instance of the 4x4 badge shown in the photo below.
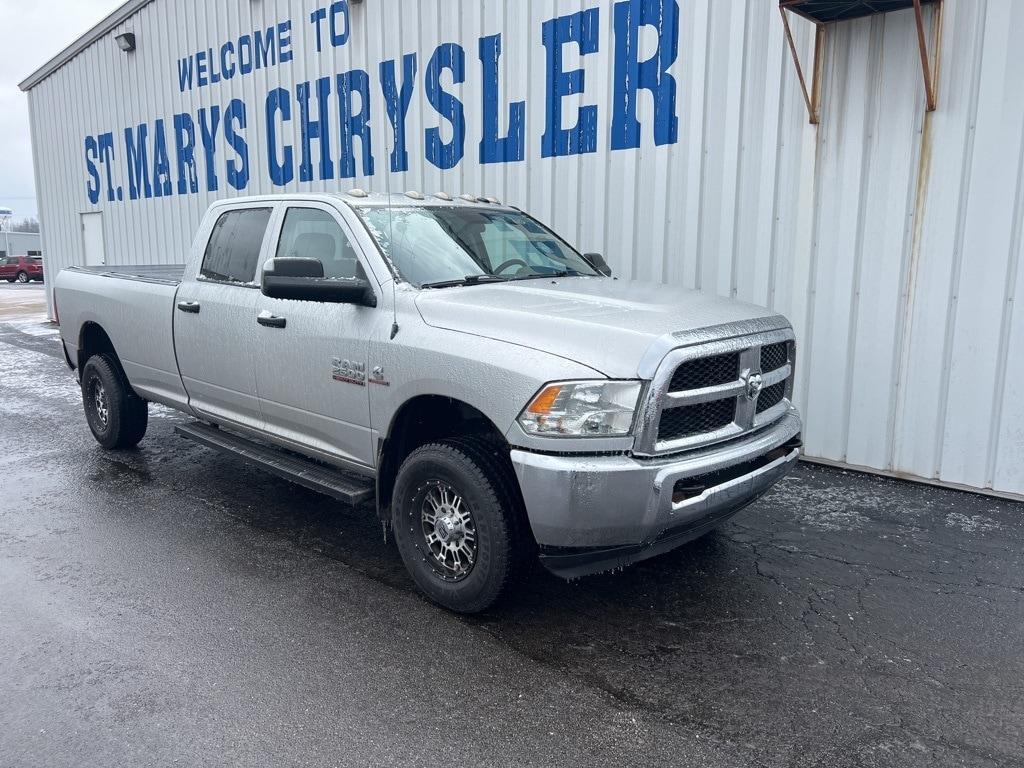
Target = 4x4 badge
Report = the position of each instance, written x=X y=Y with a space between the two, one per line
x=377 y=376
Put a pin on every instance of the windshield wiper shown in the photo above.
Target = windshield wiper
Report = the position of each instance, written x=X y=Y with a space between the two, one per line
x=558 y=273
x=467 y=280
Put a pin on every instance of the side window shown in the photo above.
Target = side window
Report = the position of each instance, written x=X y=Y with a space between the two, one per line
x=234 y=248
x=314 y=234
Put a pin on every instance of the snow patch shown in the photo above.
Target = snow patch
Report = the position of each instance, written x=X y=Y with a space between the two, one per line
x=971 y=523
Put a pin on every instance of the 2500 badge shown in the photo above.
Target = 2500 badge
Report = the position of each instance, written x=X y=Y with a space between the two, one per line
x=348 y=371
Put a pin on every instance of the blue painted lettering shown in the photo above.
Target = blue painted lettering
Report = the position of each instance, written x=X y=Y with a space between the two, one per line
x=161 y=162
x=443 y=154
x=281 y=171
x=315 y=129
x=631 y=74
x=237 y=170
x=92 y=154
x=209 y=122
x=512 y=146
x=355 y=123
x=138 y=163
x=581 y=28
x=284 y=42
x=397 y=102
x=185 y=152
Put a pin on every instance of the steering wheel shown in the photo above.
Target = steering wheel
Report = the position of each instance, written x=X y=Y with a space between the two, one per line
x=510 y=263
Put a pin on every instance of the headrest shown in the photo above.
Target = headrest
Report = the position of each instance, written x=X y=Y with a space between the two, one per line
x=314 y=245
x=291 y=266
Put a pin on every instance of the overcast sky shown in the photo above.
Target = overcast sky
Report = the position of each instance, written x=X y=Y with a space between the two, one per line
x=34 y=32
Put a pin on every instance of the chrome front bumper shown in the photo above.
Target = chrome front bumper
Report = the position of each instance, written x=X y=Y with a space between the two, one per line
x=593 y=513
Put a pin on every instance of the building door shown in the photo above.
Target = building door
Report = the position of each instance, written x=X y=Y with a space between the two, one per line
x=92 y=239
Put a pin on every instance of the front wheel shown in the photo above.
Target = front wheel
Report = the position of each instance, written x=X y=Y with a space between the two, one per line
x=23 y=277
x=116 y=415
x=458 y=525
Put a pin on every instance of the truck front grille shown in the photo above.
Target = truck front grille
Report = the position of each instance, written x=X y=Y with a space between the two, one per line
x=705 y=372
x=695 y=419
x=774 y=356
x=771 y=397
x=720 y=390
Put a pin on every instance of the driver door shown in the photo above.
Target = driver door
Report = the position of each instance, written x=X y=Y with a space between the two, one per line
x=311 y=367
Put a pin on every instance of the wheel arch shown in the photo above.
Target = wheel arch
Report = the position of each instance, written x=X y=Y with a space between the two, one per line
x=420 y=420
x=94 y=340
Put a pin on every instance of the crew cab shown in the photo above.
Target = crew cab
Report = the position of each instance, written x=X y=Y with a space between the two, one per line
x=496 y=394
x=22 y=269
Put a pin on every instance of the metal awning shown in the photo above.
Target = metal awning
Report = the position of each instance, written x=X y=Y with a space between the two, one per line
x=828 y=11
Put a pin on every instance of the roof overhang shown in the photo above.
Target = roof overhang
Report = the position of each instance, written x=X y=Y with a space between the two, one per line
x=122 y=14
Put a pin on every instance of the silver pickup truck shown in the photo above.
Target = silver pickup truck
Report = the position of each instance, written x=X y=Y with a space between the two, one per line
x=498 y=394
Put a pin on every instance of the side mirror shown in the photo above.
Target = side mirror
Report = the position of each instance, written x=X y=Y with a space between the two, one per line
x=596 y=260
x=303 y=279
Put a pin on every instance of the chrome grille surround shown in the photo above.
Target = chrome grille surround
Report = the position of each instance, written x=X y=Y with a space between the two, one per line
x=746 y=416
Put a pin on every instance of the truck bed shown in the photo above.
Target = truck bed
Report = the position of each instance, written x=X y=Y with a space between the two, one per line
x=171 y=274
x=133 y=305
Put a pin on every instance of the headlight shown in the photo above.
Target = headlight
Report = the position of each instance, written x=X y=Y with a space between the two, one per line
x=582 y=409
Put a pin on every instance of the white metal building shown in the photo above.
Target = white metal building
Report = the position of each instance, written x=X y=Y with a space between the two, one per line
x=20 y=244
x=671 y=136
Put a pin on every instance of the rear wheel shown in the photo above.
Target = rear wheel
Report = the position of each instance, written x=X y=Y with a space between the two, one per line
x=22 y=277
x=116 y=415
x=458 y=523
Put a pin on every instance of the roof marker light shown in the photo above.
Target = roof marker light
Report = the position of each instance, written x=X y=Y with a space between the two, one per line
x=468 y=197
x=357 y=192
x=414 y=194
x=442 y=196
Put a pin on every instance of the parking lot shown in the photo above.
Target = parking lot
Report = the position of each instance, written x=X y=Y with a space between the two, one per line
x=172 y=606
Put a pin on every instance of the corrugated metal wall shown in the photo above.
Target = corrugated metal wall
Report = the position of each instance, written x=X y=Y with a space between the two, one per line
x=19 y=243
x=891 y=239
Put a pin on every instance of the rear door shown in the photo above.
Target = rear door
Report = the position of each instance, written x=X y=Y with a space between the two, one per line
x=214 y=318
x=312 y=371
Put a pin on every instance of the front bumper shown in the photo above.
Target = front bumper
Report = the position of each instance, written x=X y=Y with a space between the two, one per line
x=595 y=513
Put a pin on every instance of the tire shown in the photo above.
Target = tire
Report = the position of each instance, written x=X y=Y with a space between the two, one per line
x=22 y=277
x=478 y=474
x=116 y=415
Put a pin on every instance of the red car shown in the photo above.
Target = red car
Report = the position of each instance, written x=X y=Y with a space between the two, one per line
x=21 y=268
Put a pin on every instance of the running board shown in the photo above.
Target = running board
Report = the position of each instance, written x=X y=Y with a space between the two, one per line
x=345 y=486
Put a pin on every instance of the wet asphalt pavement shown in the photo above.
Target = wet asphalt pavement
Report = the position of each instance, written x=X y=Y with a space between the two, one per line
x=170 y=606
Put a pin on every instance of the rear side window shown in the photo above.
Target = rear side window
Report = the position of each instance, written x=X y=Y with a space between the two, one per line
x=234 y=248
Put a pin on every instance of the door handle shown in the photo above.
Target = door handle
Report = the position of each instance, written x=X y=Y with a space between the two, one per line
x=271 y=321
x=189 y=306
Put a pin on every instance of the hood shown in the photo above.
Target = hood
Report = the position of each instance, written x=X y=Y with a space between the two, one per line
x=617 y=327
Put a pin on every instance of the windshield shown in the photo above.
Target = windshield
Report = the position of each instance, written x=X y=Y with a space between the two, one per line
x=448 y=245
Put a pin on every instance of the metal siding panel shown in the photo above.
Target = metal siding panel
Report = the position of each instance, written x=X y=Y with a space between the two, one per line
x=842 y=176
x=892 y=144
x=1007 y=446
x=949 y=141
x=989 y=208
